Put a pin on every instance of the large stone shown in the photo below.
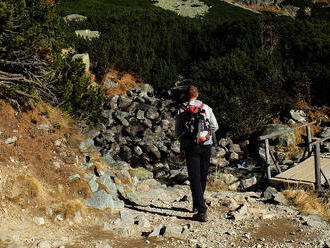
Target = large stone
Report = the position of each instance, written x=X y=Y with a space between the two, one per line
x=145 y=90
x=88 y=34
x=107 y=181
x=142 y=221
x=84 y=57
x=75 y=17
x=315 y=221
x=247 y=183
x=140 y=115
x=325 y=132
x=141 y=173
x=159 y=230
x=175 y=146
x=124 y=102
x=154 y=150
x=152 y=114
x=235 y=148
x=240 y=213
x=287 y=139
x=226 y=179
x=87 y=146
x=173 y=230
x=126 y=217
x=224 y=142
x=114 y=102
x=108 y=159
x=269 y=193
x=100 y=200
x=93 y=184
x=134 y=106
x=298 y=115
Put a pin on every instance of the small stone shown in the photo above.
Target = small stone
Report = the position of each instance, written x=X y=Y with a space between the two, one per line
x=57 y=164
x=262 y=239
x=59 y=217
x=102 y=245
x=44 y=127
x=11 y=140
x=58 y=142
x=247 y=183
x=44 y=244
x=39 y=221
x=157 y=231
x=233 y=156
x=73 y=177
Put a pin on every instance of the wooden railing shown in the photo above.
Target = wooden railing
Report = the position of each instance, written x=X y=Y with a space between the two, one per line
x=317 y=162
x=268 y=153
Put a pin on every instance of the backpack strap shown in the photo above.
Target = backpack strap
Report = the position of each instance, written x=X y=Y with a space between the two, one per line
x=201 y=107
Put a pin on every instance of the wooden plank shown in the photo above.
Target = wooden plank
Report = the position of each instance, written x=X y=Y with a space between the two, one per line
x=287 y=183
x=305 y=171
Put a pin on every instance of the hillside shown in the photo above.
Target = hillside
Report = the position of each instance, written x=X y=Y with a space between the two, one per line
x=47 y=185
x=89 y=90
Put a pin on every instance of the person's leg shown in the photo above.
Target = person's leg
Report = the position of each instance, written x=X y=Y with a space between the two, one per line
x=204 y=165
x=193 y=165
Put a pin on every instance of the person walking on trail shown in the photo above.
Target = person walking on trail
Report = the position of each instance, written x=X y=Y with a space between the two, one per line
x=195 y=128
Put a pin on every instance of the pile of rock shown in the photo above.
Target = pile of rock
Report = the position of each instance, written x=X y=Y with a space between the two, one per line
x=139 y=130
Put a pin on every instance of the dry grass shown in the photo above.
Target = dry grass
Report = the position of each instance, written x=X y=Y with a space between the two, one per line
x=273 y=9
x=124 y=80
x=32 y=179
x=309 y=202
x=71 y=207
x=216 y=186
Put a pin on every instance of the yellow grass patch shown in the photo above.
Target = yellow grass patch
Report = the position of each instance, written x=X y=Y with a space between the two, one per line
x=216 y=186
x=124 y=80
x=309 y=202
x=71 y=207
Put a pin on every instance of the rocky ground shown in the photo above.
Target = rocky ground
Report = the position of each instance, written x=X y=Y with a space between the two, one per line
x=57 y=192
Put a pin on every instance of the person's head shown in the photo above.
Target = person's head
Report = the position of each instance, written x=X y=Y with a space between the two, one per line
x=192 y=93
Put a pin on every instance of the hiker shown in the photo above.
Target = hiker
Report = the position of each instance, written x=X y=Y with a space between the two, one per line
x=195 y=128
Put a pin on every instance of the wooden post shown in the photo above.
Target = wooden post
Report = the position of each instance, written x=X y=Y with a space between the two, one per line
x=267 y=154
x=309 y=139
x=317 y=163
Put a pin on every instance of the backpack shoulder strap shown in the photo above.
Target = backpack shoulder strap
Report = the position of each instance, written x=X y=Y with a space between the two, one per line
x=201 y=107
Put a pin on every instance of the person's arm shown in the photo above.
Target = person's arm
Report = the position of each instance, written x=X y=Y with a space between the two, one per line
x=213 y=122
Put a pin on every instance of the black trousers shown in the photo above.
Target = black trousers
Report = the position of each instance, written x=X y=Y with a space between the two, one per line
x=198 y=162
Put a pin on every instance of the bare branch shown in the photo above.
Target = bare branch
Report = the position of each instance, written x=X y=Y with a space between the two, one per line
x=19 y=92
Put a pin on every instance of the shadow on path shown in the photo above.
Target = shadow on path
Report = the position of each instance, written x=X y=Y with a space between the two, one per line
x=140 y=209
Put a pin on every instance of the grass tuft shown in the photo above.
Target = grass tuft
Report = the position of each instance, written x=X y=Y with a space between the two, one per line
x=309 y=202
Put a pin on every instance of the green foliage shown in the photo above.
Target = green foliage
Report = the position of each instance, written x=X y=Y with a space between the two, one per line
x=31 y=38
x=249 y=67
x=78 y=93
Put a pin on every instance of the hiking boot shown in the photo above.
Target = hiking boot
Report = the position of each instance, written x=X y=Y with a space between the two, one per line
x=201 y=217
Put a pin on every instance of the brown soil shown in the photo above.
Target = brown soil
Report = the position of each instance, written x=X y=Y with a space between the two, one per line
x=282 y=230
